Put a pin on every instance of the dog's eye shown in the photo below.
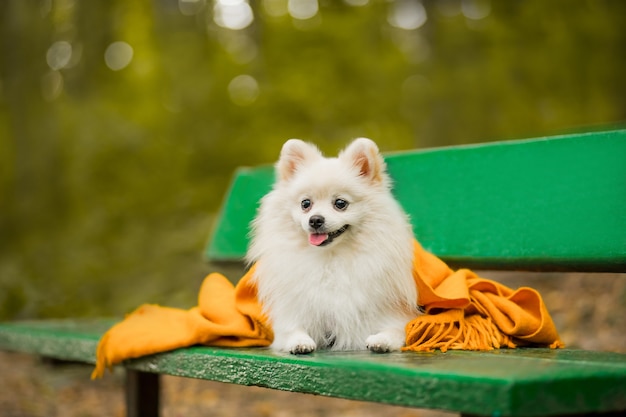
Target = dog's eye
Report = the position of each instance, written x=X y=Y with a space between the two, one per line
x=341 y=204
x=305 y=204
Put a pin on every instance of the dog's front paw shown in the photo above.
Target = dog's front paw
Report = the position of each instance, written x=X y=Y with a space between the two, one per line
x=384 y=342
x=300 y=344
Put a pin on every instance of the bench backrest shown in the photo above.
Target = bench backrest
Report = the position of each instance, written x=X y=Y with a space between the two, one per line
x=556 y=203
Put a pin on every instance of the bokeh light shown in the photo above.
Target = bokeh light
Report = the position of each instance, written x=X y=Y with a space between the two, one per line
x=407 y=14
x=243 y=90
x=356 y=3
x=118 y=55
x=475 y=9
x=59 y=55
x=303 y=9
x=233 y=14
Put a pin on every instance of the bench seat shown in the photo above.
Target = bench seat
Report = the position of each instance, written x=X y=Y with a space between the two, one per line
x=506 y=382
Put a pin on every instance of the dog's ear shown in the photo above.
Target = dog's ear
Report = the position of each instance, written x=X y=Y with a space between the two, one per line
x=363 y=154
x=295 y=153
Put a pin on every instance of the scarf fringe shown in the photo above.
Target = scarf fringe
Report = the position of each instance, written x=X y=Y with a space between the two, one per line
x=452 y=330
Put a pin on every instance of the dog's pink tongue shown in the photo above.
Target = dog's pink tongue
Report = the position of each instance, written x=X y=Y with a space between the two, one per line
x=317 y=238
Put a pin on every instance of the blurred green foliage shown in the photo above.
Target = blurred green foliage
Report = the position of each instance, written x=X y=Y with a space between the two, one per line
x=112 y=165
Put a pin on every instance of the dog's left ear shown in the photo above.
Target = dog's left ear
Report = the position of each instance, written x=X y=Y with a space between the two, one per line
x=364 y=155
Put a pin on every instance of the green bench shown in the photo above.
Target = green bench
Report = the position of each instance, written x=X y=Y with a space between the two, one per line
x=544 y=204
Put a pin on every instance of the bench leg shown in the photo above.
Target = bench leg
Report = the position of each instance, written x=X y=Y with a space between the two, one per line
x=142 y=394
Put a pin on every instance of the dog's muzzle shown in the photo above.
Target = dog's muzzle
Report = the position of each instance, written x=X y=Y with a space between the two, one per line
x=323 y=239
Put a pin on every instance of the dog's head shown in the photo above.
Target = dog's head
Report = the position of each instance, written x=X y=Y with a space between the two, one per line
x=328 y=196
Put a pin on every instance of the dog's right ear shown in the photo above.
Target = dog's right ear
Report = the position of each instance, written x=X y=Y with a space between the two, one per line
x=295 y=153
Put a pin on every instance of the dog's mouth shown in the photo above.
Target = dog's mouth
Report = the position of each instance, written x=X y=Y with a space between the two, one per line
x=323 y=239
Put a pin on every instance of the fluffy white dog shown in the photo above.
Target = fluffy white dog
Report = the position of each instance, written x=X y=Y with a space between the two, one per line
x=333 y=250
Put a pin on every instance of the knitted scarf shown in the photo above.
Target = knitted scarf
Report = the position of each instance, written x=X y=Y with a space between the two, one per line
x=462 y=311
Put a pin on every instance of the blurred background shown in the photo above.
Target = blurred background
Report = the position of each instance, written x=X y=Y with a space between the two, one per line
x=122 y=121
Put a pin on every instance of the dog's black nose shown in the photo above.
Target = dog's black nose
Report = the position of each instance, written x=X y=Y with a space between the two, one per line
x=316 y=221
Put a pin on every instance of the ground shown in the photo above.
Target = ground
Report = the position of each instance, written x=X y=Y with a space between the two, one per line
x=588 y=309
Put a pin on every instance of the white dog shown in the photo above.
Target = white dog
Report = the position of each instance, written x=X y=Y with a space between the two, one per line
x=333 y=252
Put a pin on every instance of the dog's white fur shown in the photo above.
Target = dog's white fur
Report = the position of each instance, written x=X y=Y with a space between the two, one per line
x=357 y=291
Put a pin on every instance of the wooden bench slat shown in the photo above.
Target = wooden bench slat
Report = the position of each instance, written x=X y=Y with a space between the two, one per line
x=486 y=383
x=70 y=340
x=554 y=203
x=229 y=239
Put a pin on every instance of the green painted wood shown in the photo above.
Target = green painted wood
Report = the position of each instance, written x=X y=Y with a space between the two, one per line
x=521 y=382
x=554 y=203
x=230 y=236
x=69 y=340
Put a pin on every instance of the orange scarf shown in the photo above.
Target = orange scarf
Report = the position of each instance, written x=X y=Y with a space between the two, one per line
x=463 y=311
